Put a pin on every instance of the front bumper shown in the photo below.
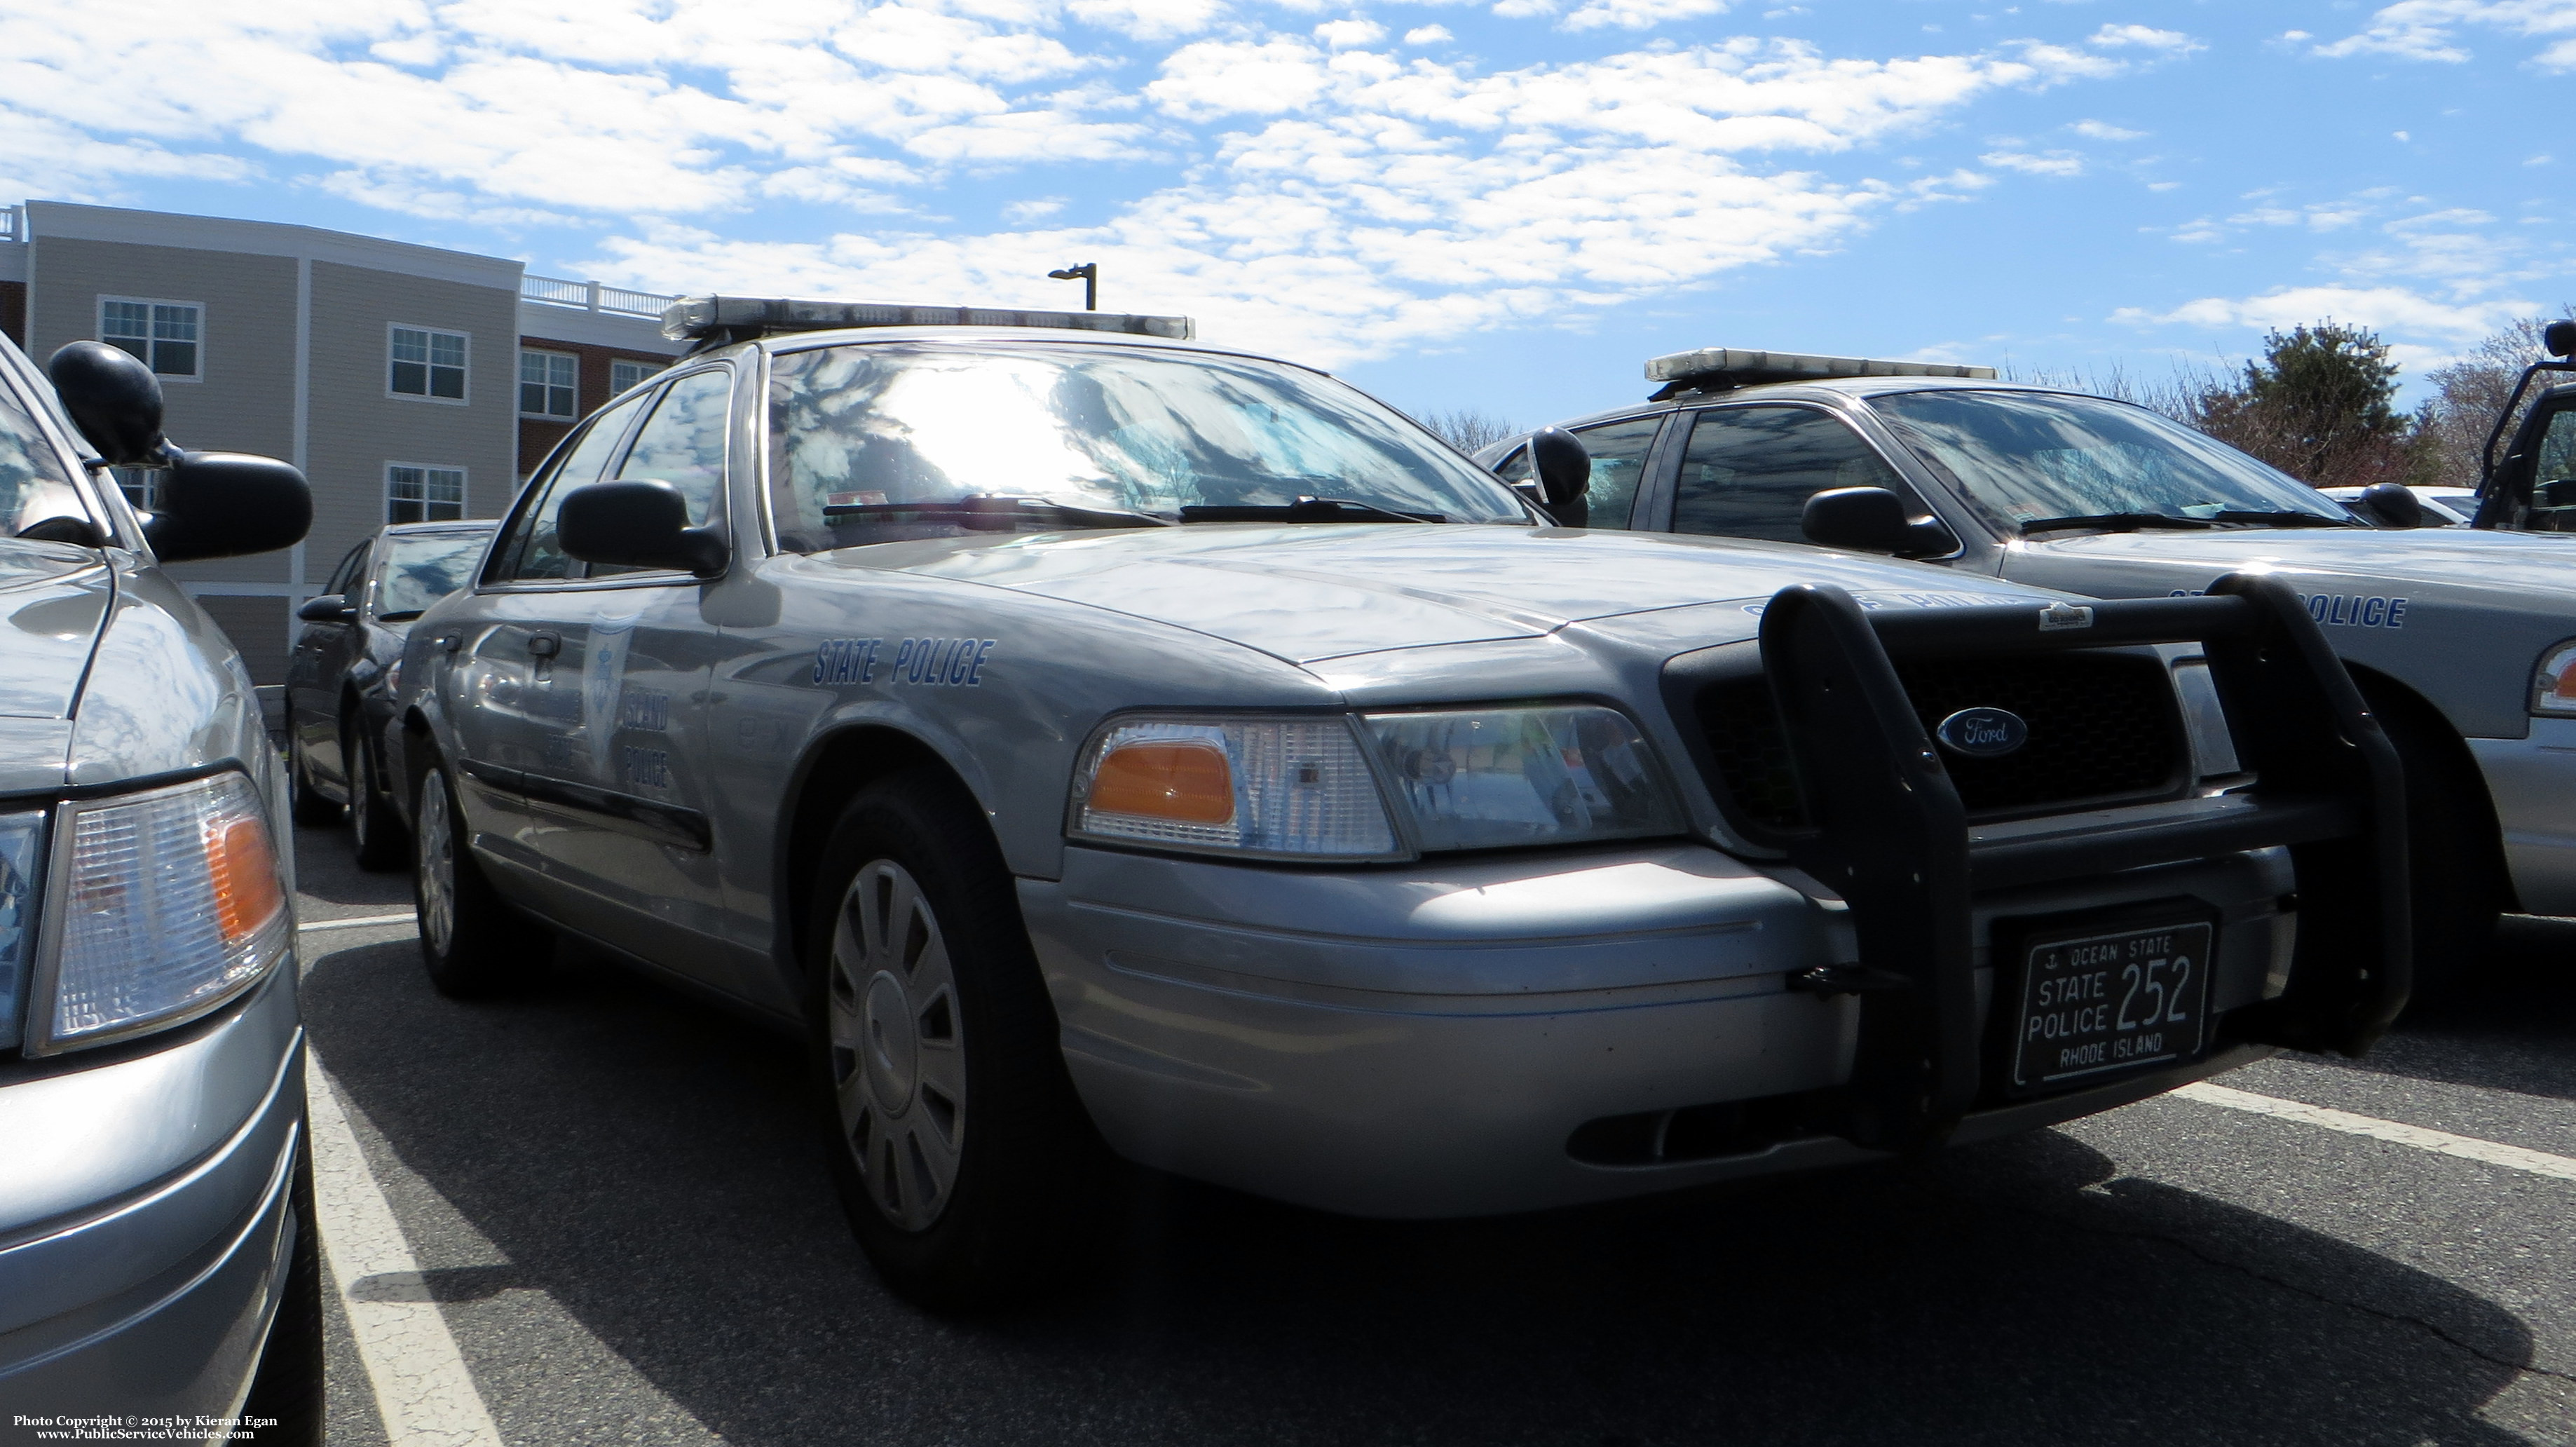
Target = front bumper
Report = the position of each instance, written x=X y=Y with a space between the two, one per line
x=1426 y=1041
x=2533 y=783
x=145 y=1224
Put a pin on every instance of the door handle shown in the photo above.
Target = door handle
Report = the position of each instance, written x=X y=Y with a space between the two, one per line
x=545 y=645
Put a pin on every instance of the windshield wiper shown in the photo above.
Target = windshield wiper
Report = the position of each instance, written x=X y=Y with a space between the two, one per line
x=2117 y=522
x=997 y=512
x=1303 y=510
x=2284 y=518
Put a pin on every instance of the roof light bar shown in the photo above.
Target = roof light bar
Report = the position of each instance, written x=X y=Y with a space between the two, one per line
x=1732 y=367
x=715 y=320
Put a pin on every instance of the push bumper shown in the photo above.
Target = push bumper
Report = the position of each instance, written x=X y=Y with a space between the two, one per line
x=1436 y=1041
x=2533 y=783
x=145 y=1224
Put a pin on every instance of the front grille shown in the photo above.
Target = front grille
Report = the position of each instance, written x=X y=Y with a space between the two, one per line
x=2101 y=727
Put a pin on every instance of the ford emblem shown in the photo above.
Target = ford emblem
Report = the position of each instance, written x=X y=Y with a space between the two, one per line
x=1982 y=733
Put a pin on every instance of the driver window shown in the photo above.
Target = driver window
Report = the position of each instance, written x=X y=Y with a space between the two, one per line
x=531 y=554
x=683 y=443
x=1618 y=460
x=1749 y=471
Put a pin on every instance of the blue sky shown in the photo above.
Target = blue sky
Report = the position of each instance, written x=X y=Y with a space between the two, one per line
x=1505 y=205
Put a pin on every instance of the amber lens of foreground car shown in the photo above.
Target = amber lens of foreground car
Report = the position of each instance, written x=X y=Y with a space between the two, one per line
x=170 y=903
x=2553 y=688
x=1287 y=788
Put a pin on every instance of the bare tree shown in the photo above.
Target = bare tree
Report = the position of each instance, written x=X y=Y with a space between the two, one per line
x=2470 y=392
x=1467 y=429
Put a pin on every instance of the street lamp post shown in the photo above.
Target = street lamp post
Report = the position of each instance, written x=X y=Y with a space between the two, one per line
x=1089 y=274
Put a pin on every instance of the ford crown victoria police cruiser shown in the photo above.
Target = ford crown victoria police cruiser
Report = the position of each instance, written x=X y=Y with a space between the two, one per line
x=2463 y=642
x=1091 y=738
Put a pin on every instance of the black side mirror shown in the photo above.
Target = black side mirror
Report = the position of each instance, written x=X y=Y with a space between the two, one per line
x=328 y=608
x=2559 y=339
x=225 y=504
x=2393 y=503
x=1872 y=520
x=638 y=523
x=1564 y=474
x=113 y=398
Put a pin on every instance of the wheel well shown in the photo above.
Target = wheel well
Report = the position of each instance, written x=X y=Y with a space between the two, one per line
x=2421 y=731
x=833 y=774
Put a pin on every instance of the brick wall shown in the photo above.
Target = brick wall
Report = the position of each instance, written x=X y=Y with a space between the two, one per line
x=537 y=435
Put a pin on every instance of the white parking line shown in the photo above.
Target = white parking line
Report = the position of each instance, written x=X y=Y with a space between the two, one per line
x=2441 y=1142
x=423 y=1392
x=362 y=922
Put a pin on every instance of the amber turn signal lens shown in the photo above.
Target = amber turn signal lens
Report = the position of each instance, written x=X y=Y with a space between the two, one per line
x=1179 y=779
x=244 y=874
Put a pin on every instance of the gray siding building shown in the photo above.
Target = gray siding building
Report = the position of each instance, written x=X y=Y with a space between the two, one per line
x=408 y=382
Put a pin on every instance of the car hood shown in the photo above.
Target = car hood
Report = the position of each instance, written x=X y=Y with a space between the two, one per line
x=53 y=598
x=1313 y=592
x=2519 y=564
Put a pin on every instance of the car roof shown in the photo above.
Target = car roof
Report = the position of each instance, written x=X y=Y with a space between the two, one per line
x=451 y=525
x=1823 y=389
x=1055 y=336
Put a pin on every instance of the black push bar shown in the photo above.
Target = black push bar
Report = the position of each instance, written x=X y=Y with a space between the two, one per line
x=1886 y=830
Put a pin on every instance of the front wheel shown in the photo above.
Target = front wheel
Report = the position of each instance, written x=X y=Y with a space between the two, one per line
x=965 y=1163
x=375 y=830
x=309 y=808
x=471 y=941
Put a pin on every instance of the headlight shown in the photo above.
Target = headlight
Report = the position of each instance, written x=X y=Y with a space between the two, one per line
x=159 y=907
x=1288 y=788
x=2553 y=690
x=21 y=845
x=1490 y=778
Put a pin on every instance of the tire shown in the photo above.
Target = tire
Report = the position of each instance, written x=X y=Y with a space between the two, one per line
x=288 y=1385
x=2454 y=862
x=472 y=943
x=967 y=1167
x=376 y=832
x=309 y=808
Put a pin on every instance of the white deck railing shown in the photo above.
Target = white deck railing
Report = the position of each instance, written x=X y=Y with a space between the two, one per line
x=591 y=296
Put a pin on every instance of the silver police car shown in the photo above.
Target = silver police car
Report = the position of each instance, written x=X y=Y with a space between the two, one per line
x=2464 y=642
x=157 y=1236
x=1100 y=745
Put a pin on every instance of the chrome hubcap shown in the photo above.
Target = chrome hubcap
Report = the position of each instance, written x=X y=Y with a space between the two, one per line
x=898 y=1045
x=436 y=869
x=362 y=782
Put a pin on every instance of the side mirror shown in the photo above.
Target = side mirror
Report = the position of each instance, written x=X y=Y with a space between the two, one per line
x=2393 y=503
x=1872 y=520
x=2559 y=339
x=1564 y=474
x=638 y=523
x=225 y=504
x=328 y=608
x=113 y=398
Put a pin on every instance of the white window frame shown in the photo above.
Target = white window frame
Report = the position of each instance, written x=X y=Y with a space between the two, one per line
x=468 y=368
x=464 y=489
x=198 y=307
x=574 y=387
x=651 y=371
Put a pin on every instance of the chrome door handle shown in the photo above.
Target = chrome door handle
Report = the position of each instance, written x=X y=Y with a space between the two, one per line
x=545 y=645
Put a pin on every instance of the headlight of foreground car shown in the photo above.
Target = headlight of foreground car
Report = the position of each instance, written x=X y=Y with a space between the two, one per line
x=1302 y=788
x=2553 y=688
x=21 y=842
x=159 y=906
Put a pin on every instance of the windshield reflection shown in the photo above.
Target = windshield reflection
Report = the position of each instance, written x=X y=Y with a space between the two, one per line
x=856 y=432
x=2025 y=456
x=422 y=568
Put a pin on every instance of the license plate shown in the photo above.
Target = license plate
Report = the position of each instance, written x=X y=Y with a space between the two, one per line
x=2096 y=1002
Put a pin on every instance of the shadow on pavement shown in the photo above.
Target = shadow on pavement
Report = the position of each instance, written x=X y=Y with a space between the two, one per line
x=644 y=1161
x=2516 y=1031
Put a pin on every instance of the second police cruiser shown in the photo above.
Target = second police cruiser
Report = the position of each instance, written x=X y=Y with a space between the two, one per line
x=1099 y=745
x=2463 y=642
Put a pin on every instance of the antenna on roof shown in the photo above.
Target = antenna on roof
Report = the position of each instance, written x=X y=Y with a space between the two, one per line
x=1089 y=274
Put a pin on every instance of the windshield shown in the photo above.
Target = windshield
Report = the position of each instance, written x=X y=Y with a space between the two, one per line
x=2025 y=456
x=867 y=440
x=421 y=568
x=33 y=488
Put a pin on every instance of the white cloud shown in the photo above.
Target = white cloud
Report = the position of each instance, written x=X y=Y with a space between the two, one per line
x=1148 y=19
x=1035 y=209
x=1638 y=14
x=2429 y=30
x=2050 y=163
x=2165 y=42
x=1428 y=35
x=2383 y=308
x=2104 y=131
x=1350 y=34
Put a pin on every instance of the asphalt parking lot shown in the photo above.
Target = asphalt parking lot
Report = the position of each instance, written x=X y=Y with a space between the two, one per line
x=611 y=1205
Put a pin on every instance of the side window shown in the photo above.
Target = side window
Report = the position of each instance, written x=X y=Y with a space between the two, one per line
x=345 y=577
x=1515 y=468
x=1618 y=460
x=531 y=553
x=683 y=443
x=1749 y=471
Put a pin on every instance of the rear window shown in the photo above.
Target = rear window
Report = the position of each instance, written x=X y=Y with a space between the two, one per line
x=419 y=569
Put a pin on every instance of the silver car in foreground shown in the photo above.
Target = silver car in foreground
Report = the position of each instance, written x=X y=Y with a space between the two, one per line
x=1086 y=738
x=157 y=1239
